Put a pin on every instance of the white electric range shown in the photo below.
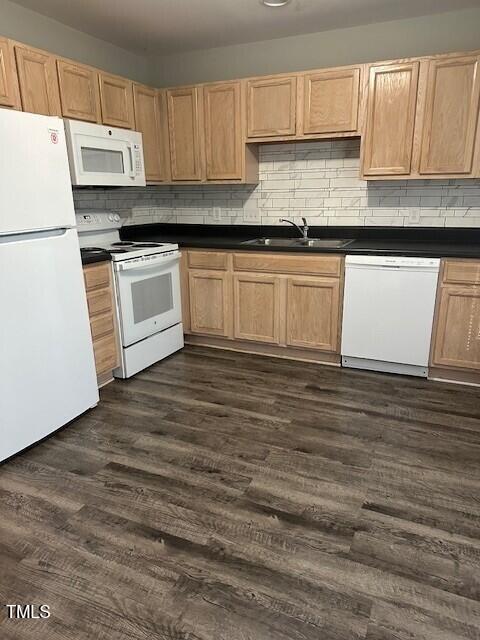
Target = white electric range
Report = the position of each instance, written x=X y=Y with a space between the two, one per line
x=147 y=290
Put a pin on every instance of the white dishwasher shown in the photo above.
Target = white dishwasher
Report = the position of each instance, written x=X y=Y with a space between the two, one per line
x=388 y=310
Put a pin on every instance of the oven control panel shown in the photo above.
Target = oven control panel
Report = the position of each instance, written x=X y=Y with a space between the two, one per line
x=98 y=220
x=147 y=261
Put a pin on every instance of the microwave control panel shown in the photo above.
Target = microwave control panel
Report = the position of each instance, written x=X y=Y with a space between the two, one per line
x=137 y=155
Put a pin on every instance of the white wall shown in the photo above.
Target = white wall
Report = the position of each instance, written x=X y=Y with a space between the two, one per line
x=441 y=33
x=315 y=179
x=39 y=31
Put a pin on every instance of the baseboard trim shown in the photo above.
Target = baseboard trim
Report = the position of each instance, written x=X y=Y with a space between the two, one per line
x=456 y=376
x=104 y=378
x=287 y=353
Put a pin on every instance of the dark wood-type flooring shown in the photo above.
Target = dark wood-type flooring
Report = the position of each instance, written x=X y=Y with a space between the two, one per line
x=223 y=496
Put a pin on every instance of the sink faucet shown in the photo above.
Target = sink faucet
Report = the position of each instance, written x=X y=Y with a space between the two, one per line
x=303 y=230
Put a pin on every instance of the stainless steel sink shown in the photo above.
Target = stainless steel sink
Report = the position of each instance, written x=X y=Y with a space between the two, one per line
x=317 y=243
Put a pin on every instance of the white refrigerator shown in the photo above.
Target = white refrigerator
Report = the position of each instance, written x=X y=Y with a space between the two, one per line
x=47 y=370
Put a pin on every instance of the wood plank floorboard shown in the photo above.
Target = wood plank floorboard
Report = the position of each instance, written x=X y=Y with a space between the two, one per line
x=226 y=496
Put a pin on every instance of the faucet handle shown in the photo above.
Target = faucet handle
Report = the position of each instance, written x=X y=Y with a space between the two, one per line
x=304 y=220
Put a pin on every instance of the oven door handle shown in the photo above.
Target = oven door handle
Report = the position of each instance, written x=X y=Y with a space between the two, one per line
x=126 y=266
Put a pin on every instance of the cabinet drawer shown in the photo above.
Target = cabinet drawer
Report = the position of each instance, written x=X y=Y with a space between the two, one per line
x=102 y=325
x=99 y=301
x=97 y=275
x=294 y=263
x=461 y=272
x=105 y=351
x=207 y=260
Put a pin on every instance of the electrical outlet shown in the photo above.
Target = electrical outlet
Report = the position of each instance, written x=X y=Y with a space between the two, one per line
x=252 y=215
x=217 y=214
x=414 y=216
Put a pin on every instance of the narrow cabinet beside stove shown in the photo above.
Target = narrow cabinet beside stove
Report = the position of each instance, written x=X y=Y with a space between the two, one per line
x=101 y=309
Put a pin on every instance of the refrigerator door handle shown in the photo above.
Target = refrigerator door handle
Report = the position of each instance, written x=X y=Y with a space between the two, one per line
x=26 y=236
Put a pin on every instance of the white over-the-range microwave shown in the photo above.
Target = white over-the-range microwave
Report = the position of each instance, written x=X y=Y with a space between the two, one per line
x=104 y=156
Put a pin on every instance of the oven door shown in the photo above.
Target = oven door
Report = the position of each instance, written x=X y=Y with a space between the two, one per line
x=148 y=292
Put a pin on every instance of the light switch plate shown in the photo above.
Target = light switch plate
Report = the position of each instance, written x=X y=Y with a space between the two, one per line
x=252 y=215
x=414 y=216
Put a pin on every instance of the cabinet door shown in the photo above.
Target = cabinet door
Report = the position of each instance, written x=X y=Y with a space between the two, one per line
x=101 y=305
x=184 y=132
x=271 y=105
x=257 y=308
x=313 y=313
x=392 y=100
x=116 y=100
x=223 y=131
x=38 y=80
x=457 y=336
x=210 y=302
x=451 y=115
x=149 y=122
x=8 y=88
x=330 y=101
x=79 y=93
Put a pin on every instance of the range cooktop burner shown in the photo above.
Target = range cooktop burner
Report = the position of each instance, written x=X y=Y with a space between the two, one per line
x=93 y=249
x=123 y=243
x=119 y=250
x=147 y=245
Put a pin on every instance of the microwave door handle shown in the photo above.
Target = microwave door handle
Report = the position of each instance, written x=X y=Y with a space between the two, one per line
x=130 y=156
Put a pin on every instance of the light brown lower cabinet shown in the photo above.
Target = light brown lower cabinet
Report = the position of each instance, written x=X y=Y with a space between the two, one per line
x=257 y=311
x=456 y=338
x=101 y=309
x=313 y=313
x=210 y=294
x=281 y=304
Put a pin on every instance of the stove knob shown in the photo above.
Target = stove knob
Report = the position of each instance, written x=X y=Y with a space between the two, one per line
x=116 y=217
x=111 y=217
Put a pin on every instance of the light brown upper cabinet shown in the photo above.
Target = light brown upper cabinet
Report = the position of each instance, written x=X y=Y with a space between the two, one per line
x=451 y=115
x=8 y=80
x=150 y=121
x=79 y=91
x=37 y=77
x=116 y=99
x=257 y=307
x=331 y=101
x=391 y=108
x=223 y=131
x=271 y=107
x=184 y=132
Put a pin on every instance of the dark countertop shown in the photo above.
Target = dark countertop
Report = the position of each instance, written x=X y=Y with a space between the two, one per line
x=90 y=256
x=416 y=241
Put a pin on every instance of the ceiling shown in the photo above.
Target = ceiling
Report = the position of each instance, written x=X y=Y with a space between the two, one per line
x=172 y=26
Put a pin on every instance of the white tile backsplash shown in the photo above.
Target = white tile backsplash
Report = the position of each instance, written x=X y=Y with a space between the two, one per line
x=316 y=179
